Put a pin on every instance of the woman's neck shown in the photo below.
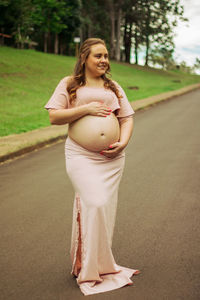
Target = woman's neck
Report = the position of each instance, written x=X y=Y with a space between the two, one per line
x=94 y=81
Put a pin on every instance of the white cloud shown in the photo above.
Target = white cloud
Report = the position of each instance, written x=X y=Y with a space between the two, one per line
x=187 y=35
x=187 y=39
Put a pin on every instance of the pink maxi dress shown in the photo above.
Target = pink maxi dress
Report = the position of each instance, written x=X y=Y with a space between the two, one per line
x=95 y=179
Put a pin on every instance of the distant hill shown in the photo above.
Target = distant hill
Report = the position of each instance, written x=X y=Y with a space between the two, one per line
x=28 y=78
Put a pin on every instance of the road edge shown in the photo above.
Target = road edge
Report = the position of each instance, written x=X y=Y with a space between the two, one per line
x=16 y=145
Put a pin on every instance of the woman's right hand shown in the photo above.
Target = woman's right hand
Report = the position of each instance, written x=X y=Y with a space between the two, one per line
x=98 y=109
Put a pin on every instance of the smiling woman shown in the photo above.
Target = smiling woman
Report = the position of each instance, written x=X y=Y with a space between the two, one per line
x=97 y=61
x=100 y=126
x=94 y=132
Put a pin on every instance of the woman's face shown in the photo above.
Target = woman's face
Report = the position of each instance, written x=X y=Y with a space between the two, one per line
x=97 y=62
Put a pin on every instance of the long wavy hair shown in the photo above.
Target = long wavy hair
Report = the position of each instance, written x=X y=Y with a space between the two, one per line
x=78 y=78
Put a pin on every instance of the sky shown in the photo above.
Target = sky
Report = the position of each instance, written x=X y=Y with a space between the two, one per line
x=187 y=35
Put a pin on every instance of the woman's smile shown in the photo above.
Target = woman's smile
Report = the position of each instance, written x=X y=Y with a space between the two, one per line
x=97 y=60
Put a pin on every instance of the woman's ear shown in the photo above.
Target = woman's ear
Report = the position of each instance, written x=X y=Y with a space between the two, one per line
x=82 y=60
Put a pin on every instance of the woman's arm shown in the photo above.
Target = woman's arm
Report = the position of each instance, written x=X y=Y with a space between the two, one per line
x=126 y=129
x=64 y=116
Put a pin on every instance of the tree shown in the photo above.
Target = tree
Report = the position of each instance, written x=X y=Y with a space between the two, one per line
x=160 y=19
x=162 y=57
x=185 y=68
x=95 y=20
x=56 y=21
x=48 y=16
x=72 y=20
x=127 y=23
x=15 y=16
x=197 y=64
x=133 y=16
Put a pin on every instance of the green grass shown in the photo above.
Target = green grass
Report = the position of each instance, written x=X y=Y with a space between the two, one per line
x=28 y=78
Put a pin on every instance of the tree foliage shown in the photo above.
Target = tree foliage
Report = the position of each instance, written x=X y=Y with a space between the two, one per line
x=123 y=24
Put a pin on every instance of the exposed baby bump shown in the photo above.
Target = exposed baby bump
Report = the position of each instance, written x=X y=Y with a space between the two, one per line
x=95 y=133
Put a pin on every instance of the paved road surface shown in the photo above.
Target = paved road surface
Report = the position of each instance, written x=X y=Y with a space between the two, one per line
x=156 y=229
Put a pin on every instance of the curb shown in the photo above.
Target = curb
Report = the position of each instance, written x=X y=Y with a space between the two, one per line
x=15 y=145
x=143 y=103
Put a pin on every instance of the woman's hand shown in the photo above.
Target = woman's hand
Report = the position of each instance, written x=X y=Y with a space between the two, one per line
x=113 y=150
x=126 y=128
x=98 y=109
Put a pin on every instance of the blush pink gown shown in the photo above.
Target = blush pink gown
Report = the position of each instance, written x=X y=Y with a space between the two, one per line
x=95 y=179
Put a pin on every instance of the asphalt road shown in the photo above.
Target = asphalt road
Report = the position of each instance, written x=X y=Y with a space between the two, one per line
x=156 y=230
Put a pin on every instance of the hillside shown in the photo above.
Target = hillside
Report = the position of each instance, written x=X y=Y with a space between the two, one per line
x=28 y=78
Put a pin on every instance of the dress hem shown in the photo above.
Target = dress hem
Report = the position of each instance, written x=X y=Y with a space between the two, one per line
x=109 y=282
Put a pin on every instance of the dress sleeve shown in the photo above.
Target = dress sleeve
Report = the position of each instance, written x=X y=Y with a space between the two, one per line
x=60 y=97
x=125 y=106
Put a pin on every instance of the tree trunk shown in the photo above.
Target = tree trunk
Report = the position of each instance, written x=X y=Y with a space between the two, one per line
x=62 y=47
x=56 y=43
x=2 y=38
x=125 y=38
x=81 y=34
x=128 y=42
x=112 y=41
x=147 y=35
x=50 y=43
x=45 y=41
x=117 y=50
x=90 y=35
x=19 y=37
x=112 y=38
x=147 y=51
x=136 y=44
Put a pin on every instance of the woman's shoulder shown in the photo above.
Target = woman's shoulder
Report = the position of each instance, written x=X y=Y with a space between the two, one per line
x=115 y=83
x=66 y=79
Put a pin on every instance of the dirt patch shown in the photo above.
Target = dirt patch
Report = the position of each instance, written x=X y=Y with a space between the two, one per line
x=16 y=74
x=177 y=81
x=2 y=64
x=133 y=87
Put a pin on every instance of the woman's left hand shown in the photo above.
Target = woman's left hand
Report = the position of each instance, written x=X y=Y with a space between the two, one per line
x=113 y=150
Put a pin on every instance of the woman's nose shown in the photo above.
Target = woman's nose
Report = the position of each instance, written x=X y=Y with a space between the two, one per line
x=103 y=59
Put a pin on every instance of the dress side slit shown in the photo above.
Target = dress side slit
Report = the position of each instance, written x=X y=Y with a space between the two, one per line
x=78 y=254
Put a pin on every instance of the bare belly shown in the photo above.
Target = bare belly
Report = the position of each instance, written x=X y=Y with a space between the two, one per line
x=95 y=133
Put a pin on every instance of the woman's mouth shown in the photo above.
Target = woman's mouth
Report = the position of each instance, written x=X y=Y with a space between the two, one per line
x=102 y=66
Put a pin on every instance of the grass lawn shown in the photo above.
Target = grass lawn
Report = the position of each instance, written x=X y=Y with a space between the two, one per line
x=28 y=78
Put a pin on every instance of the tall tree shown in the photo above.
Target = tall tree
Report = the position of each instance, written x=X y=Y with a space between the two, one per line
x=111 y=9
x=149 y=23
x=94 y=20
x=15 y=19
x=133 y=15
x=57 y=21
x=162 y=57
x=116 y=15
x=72 y=20
x=48 y=16
x=159 y=20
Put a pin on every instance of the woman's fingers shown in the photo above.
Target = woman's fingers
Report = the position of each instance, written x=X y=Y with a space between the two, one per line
x=113 y=150
x=103 y=110
x=99 y=109
x=114 y=145
x=104 y=113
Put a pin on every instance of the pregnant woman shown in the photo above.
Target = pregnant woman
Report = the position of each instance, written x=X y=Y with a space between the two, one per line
x=100 y=126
